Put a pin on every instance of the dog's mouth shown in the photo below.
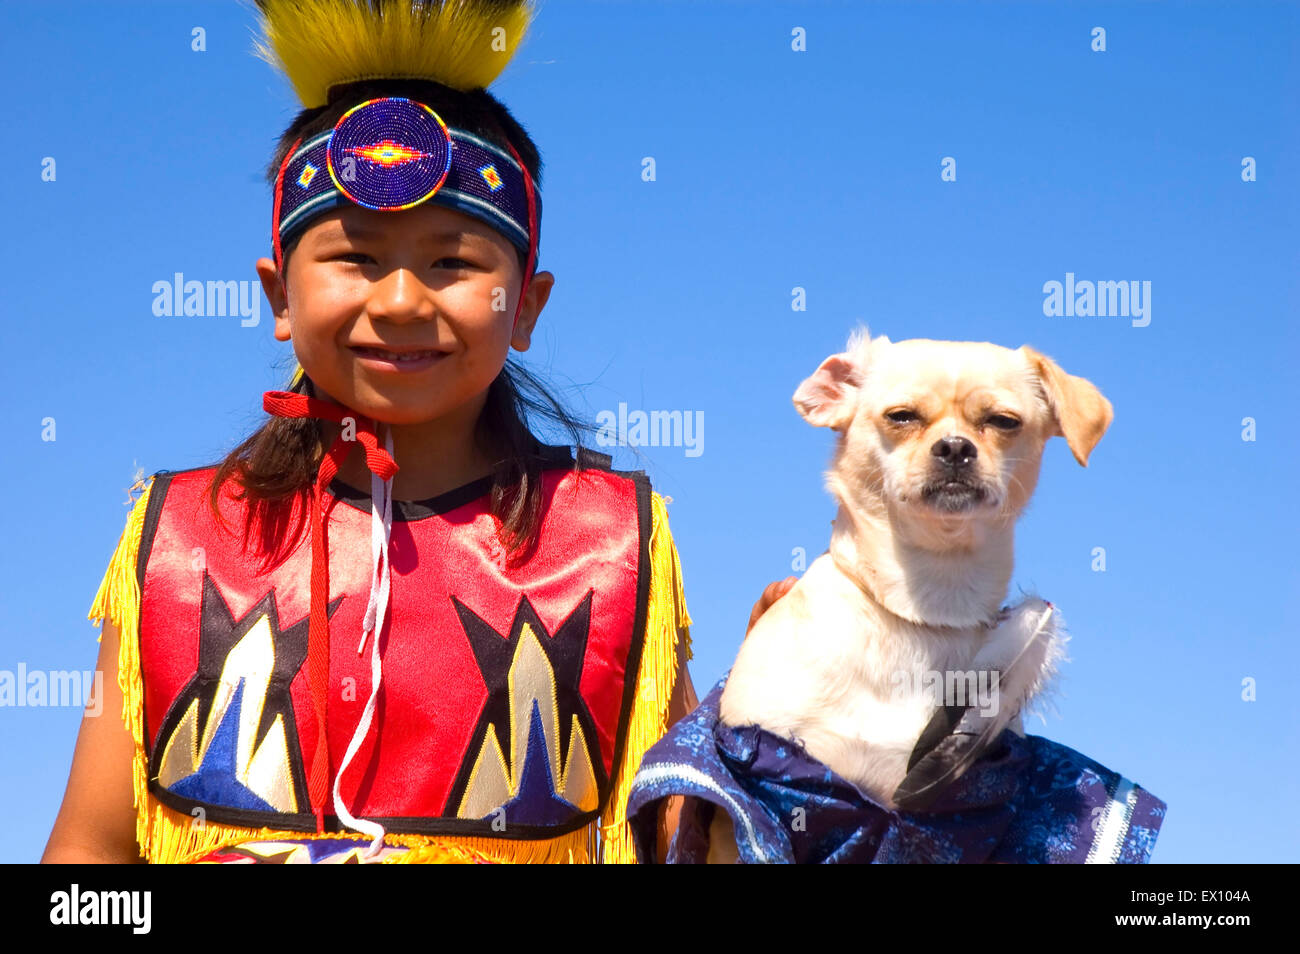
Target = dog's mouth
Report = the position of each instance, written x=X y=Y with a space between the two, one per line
x=953 y=494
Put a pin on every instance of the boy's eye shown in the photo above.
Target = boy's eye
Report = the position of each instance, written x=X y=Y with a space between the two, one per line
x=361 y=258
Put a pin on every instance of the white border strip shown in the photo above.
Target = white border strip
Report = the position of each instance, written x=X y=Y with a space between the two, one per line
x=310 y=205
x=688 y=773
x=486 y=147
x=1114 y=825
x=311 y=144
x=486 y=207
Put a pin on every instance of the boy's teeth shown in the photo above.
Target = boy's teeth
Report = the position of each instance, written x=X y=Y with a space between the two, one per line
x=391 y=356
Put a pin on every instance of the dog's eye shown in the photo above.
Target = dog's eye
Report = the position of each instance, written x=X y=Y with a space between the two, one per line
x=1003 y=422
x=902 y=416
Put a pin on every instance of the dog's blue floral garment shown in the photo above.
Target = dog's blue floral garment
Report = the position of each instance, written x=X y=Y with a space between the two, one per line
x=1028 y=800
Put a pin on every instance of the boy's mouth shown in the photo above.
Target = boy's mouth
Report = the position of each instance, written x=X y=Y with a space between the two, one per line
x=399 y=360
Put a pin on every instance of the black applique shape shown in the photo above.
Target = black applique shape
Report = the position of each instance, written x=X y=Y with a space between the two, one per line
x=536 y=801
x=219 y=634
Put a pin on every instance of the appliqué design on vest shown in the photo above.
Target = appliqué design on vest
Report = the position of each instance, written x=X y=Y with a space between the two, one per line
x=230 y=736
x=546 y=772
x=511 y=701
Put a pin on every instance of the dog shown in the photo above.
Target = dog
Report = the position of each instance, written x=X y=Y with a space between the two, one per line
x=938 y=453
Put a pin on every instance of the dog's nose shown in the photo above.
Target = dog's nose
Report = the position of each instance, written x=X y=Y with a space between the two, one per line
x=954 y=451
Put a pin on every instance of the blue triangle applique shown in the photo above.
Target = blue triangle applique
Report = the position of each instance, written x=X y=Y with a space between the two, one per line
x=214 y=781
x=535 y=802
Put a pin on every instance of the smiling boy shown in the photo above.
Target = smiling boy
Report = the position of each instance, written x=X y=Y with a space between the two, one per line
x=523 y=630
x=427 y=279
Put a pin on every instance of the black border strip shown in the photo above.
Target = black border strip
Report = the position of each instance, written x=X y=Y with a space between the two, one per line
x=637 y=649
x=405 y=511
x=162 y=481
x=393 y=824
x=552 y=456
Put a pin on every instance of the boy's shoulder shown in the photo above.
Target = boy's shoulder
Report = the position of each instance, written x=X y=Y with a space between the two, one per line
x=563 y=455
x=164 y=477
x=554 y=456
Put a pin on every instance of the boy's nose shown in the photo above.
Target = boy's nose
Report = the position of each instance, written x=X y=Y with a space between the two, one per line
x=401 y=296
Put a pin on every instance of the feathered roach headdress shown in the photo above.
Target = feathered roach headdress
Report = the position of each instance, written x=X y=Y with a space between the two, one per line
x=391 y=153
x=386 y=153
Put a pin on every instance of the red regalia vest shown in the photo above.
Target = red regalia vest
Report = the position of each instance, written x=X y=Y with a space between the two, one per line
x=506 y=691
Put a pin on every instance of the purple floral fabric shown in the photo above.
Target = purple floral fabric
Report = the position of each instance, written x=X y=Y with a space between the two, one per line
x=1028 y=800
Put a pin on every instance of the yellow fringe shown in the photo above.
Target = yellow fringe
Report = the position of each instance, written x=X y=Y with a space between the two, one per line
x=118 y=599
x=667 y=621
x=577 y=847
x=166 y=836
x=176 y=838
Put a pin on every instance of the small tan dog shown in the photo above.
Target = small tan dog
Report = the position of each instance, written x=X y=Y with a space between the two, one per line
x=938 y=453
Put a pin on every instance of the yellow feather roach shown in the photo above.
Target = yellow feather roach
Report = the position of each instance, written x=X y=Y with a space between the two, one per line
x=317 y=44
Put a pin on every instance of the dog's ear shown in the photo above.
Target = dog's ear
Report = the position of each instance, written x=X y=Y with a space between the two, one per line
x=1082 y=414
x=830 y=396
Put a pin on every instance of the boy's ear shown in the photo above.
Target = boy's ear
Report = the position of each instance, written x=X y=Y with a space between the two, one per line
x=539 y=292
x=273 y=286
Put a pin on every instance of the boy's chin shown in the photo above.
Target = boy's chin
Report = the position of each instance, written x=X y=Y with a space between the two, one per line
x=402 y=411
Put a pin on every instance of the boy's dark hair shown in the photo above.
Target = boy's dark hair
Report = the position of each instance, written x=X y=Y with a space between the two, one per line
x=280 y=460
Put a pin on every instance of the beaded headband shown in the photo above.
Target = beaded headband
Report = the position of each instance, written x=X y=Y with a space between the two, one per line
x=394 y=153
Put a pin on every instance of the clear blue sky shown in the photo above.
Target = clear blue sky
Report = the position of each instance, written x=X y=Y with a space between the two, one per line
x=775 y=169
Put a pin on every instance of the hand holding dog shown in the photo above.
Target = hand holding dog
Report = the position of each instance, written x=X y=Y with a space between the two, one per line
x=774 y=591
